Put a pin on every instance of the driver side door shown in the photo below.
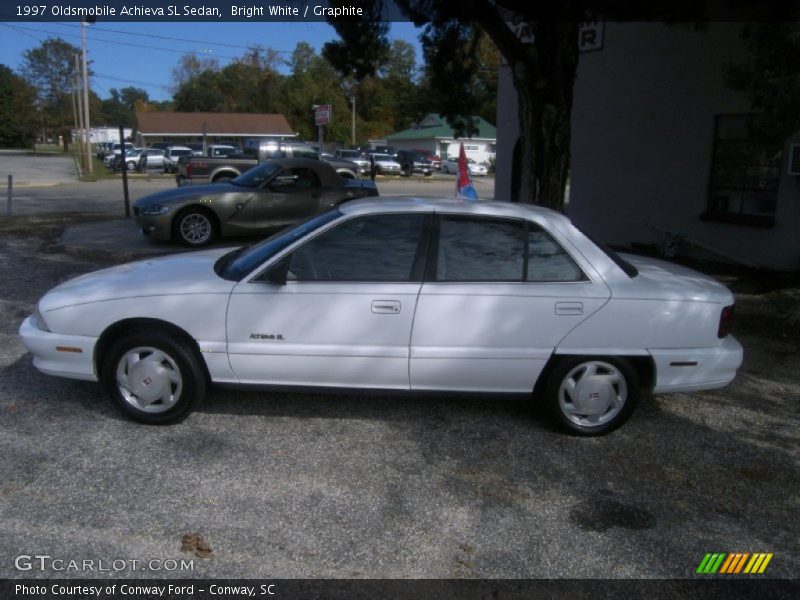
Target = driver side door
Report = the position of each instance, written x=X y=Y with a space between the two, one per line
x=343 y=315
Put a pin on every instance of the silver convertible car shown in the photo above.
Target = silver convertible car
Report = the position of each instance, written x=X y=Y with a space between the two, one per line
x=396 y=294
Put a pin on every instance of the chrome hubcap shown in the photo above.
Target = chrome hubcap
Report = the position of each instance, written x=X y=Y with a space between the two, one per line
x=149 y=379
x=592 y=394
x=195 y=228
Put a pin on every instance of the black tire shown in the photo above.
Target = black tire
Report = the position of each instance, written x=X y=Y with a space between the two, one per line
x=195 y=227
x=222 y=179
x=613 y=388
x=178 y=379
x=445 y=170
x=130 y=165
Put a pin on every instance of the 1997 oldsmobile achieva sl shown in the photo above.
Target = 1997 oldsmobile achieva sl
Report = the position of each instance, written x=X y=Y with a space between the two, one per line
x=418 y=295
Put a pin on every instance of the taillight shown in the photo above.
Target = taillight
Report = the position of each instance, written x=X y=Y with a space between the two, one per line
x=188 y=169
x=726 y=319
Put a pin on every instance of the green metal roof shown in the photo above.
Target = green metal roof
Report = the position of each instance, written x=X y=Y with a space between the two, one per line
x=435 y=126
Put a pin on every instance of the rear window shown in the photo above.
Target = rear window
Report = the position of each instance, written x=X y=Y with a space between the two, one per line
x=623 y=264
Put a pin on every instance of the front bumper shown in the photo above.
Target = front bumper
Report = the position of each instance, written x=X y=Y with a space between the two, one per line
x=694 y=369
x=69 y=356
x=158 y=227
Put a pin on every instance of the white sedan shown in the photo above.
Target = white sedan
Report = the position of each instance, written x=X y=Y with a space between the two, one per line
x=385 y=164
x=400 y=294
x=475 y=169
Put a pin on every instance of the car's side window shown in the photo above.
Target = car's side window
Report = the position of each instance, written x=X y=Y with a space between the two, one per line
x=480 y=249
x=368 y=248
x=547 y=260
x=300 y=178
x=500 y=249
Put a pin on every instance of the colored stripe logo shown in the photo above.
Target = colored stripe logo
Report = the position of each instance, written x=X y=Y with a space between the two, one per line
x=734 y=563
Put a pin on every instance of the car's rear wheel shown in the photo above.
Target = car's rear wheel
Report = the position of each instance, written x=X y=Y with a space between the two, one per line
x=222 y=179
x=592 y=396
x=195 y=227
x=446 y=170
x=153 y=377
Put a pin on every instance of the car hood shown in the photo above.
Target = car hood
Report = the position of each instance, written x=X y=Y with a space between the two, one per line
x=662 y=279
x=178 y=274
x=181 y=194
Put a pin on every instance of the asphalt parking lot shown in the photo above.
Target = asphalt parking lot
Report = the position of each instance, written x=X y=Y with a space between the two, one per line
x=316 y=485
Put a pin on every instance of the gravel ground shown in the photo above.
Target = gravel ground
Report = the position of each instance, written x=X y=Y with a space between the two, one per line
x=304 y=485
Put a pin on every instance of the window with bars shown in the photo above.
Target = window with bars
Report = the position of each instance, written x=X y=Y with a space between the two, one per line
x=745 y=172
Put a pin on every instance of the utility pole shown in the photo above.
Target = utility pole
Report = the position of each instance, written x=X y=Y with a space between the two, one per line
x=353 y=98
x=81 y=130
x=89 y=165
x=74 y=114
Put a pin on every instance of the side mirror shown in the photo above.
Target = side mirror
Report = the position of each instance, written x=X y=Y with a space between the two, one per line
x=278 y=272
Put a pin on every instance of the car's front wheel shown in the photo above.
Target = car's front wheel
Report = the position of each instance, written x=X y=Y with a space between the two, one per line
x=592 y=396
x=152 y=377
x=131 y=165
x=195 y=228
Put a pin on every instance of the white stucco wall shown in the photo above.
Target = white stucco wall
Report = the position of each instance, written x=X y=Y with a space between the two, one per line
x=642 y=140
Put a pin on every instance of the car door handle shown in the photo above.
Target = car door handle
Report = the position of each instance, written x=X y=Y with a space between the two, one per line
x=390 y=307
x=569 y=308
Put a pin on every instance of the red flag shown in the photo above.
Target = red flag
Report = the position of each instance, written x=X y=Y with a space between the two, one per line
x=464 y=188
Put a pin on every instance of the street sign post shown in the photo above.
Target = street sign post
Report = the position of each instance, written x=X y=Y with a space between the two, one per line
x=322 y=117
x=322 y=114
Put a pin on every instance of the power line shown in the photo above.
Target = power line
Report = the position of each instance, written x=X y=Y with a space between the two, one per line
x=118 y=43
x=133 y=81
x=38 y=39
x=173 y=39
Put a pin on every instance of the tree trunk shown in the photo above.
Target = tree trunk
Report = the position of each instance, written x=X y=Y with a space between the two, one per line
x=544 y=79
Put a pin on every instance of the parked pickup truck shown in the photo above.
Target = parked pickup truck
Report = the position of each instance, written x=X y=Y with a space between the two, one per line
x=193 y=170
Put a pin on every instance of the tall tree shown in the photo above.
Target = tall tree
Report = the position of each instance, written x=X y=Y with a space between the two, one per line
x=17 y=122
x=314 y=81
x=50 y=68
x=120 y=107
x=769 y=74
x=189 y=67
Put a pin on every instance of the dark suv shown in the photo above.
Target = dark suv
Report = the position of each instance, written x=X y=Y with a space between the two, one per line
x=412 y=161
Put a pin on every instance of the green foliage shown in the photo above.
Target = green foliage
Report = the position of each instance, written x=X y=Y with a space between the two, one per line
x=770 y=76
x=17 y=121
x=50 y=69
x=249 y=85
x=119 y=109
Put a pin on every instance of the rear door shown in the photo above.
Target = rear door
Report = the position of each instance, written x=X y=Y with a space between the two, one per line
x=499 y=295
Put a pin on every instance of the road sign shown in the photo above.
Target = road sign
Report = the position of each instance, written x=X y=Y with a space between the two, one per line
x=322 y=114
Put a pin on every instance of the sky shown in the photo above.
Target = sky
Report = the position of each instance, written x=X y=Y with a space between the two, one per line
x=143 y=54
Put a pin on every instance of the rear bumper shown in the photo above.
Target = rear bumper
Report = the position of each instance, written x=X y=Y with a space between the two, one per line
x=693 y=369
x=69 y=356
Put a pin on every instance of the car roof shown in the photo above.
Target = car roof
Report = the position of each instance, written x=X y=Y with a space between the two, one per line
x=453 y=206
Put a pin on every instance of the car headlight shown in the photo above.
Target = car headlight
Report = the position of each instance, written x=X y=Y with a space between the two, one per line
x=37 y=320
x=155 y=209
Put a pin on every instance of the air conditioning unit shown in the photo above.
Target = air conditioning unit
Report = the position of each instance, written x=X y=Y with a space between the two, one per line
x=794 y=159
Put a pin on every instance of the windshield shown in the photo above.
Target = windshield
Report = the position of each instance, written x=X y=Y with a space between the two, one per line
x=349 y=154
x=382 y=157
x=256 y=176
x=235 y=265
